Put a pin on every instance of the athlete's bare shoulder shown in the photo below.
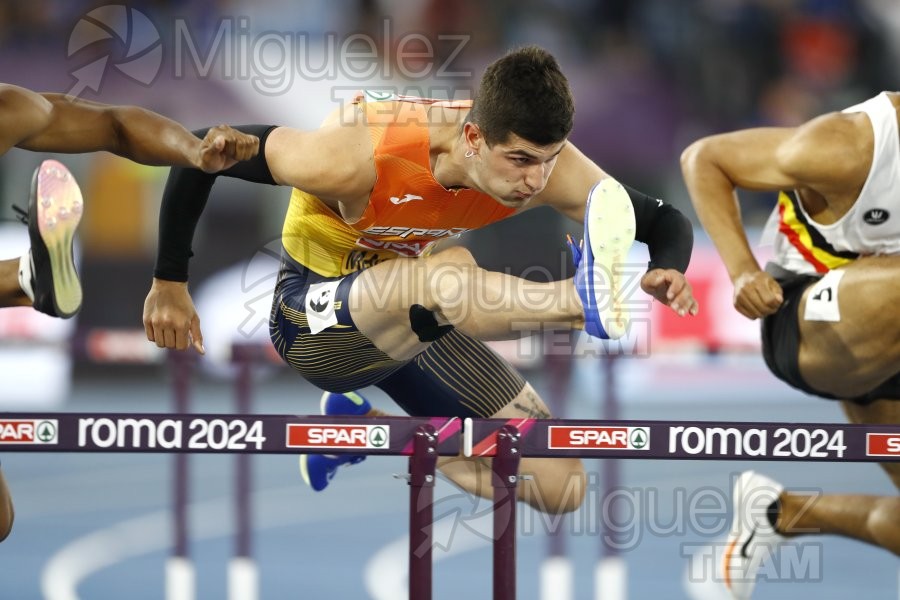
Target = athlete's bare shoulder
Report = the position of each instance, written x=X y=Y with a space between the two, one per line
x=894 y=97
x=832 y=151
x=332 y=162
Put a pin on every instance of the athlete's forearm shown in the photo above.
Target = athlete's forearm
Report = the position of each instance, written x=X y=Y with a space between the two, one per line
x=715 y=199
x=184 y=198
x=146 y=137
x=668 y=234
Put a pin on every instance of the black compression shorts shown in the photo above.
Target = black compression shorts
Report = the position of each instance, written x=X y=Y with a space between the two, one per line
x=781 y=344
x=456 y=376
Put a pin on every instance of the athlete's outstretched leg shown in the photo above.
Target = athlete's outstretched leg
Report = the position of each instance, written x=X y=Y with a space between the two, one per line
x=483 y=304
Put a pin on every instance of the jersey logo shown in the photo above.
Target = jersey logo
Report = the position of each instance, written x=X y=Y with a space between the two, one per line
x=401 y=248
x=405 y=199
x=321 y=303
x=876 y=216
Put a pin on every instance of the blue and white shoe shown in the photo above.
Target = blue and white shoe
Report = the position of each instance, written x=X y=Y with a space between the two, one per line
x=318 y=470
x=349 y=403
x=609 y=228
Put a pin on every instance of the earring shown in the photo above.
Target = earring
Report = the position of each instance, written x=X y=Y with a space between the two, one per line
x=470 y=153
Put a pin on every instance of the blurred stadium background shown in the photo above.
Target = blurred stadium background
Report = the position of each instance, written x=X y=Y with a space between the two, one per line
x=650 y=76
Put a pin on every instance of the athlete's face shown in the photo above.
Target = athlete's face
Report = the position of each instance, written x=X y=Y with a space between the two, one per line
x=515 y=171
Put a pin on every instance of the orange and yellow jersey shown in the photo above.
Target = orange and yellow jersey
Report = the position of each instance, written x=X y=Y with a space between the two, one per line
x=408 y=209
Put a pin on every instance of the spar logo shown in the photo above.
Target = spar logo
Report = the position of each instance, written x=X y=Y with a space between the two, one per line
x=598 y=438
x=29 y=431
x=337 y=436
x=883 y=444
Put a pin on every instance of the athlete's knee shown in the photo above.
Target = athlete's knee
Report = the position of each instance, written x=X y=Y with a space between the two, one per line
x=7 y=516
x=455 y=255
x=883 y=523
x=557 y=491
x=570 y=494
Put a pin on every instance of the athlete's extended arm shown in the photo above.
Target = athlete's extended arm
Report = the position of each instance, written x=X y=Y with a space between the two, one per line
x=328 y=162
x=667 y=233
x=58 y=123
x=765 y=159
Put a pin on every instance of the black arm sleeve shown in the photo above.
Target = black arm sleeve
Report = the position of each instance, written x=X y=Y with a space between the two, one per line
x=184 y=199
x=668 y=234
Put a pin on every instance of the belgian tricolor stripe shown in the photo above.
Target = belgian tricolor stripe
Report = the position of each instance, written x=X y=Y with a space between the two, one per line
x=808 y=241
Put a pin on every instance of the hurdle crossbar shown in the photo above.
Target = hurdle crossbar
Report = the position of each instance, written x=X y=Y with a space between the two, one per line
x=424 y=439
x=689 y=440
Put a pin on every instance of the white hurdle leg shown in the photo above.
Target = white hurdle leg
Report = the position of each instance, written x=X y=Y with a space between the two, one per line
x=556 y=579
x=243 y=579
x=611 y=579
x=181 y=581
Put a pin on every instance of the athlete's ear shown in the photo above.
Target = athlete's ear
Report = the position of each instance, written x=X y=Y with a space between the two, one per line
x=472 y=136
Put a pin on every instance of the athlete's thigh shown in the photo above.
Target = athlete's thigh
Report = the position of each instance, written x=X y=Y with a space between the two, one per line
x=312 y=330
x=859 y=347
x=393 y=302
x=879 y=412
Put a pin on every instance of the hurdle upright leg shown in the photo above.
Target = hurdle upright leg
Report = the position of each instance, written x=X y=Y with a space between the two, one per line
x=557 y=574
x=243 y=574
x=611 y=573
x=422 y=465
x=180 y=576
x=505 y=481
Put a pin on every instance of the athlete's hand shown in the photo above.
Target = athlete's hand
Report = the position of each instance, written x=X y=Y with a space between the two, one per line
x=672 y=289
x=756 y=294
x=224 y=146
x=170 y=318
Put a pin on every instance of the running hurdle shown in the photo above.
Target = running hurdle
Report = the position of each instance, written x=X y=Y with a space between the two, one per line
x=424 y=439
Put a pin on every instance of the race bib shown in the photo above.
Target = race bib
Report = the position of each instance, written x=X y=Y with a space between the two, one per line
x=822 y=300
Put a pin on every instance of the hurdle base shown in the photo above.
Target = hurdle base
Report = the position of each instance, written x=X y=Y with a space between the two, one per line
x=181 y=579
x=243 y=579
x=611 y=579
x=557 y=579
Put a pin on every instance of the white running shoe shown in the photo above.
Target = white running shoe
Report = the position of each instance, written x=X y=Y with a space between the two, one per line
x=752 y=538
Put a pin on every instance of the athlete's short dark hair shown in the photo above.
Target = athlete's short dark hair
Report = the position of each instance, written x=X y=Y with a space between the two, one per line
x=524 y=93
